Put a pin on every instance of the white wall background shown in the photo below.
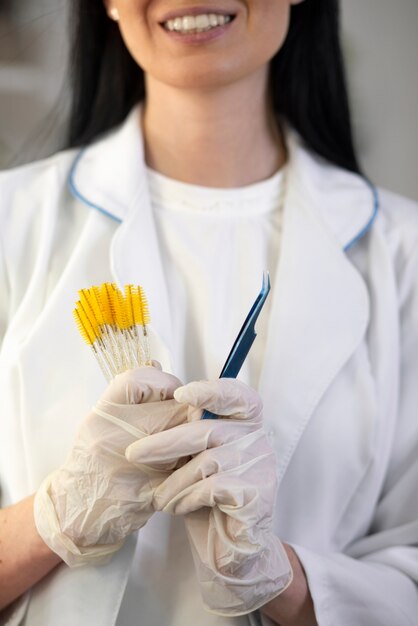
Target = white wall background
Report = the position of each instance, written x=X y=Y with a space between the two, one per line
x=382 y=51
x=381 y=43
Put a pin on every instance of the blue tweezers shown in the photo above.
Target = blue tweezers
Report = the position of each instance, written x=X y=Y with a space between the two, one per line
x=244 y=341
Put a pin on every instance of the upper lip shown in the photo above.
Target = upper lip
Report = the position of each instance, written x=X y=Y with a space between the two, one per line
x=197 y=10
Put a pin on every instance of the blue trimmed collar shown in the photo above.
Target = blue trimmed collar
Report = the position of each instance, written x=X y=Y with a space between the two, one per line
x=108 y=174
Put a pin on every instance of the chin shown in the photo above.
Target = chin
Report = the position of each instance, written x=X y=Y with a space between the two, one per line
x=204 y=76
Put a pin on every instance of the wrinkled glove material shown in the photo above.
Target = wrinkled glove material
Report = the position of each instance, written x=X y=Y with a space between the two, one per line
x=86 y=508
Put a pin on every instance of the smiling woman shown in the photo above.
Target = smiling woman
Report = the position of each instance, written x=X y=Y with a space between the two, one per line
x=210 y=141
x=309 y=63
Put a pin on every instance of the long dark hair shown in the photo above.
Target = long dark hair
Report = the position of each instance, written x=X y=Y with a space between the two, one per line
x=307 y=79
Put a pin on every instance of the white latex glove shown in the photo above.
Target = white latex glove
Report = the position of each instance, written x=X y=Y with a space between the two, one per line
x=226 y=492
x=86 y=508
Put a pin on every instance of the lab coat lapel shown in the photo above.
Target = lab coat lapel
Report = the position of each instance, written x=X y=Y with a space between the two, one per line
x=320 y=305
x=110 y=176
x=136 y=259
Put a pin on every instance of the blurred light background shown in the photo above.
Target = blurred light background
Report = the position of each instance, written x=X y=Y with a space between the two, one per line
x=380 y=43
x=33 y=73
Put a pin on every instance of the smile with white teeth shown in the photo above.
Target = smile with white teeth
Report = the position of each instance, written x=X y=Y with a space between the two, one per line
x=196 y=23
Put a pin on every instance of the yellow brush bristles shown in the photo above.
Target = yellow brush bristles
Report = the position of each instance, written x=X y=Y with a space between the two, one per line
x=115 y=326
x=137 y=305
x=84 y=326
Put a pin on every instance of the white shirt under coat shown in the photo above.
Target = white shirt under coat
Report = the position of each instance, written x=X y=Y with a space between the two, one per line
x=215 y=245
x=339 y=379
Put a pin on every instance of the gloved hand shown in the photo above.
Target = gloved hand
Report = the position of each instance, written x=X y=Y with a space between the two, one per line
x=226 y=492
x=86 y=508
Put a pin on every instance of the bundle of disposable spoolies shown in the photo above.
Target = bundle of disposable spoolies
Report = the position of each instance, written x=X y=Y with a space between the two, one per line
x=114 y=324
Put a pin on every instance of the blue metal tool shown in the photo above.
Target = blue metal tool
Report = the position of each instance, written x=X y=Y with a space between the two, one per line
x=244 y=341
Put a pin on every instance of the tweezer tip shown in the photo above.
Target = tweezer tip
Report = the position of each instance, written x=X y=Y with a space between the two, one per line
x=266 y=280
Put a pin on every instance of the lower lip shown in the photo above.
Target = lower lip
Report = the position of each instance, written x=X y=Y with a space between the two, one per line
x=199 y=38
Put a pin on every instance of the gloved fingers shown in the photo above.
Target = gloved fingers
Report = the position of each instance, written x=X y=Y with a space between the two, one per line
x=227 y=397
x=141 y=385
x=187 y=440
x=213 y=461
x=111 y=428
x=240 y=493
x=142 y=419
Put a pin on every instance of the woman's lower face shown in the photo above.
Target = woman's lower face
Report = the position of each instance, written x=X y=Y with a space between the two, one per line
x=201 y=44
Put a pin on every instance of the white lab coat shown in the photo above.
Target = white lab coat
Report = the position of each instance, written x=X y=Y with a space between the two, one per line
x=339 y=382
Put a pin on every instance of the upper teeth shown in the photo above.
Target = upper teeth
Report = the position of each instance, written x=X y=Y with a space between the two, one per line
x=196 y=23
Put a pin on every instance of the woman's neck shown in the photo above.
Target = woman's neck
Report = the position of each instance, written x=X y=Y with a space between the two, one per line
x=216 y=138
